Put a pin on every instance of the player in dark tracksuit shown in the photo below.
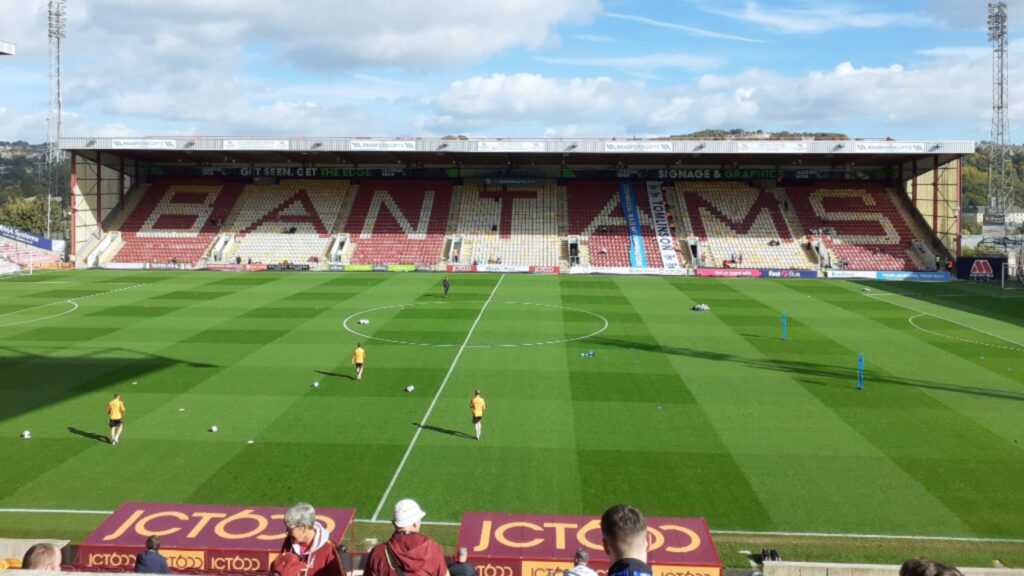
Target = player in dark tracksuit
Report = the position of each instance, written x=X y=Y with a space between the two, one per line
x=446 y=285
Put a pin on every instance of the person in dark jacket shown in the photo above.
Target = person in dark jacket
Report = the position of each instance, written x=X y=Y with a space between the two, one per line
x=151 y=561
x=463 y=567
x=407 y=552
x=624 y=536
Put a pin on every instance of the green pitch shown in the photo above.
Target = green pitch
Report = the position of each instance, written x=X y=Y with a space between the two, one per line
x=681 y=413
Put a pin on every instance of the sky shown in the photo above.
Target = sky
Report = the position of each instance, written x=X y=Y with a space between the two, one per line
x=909 y=69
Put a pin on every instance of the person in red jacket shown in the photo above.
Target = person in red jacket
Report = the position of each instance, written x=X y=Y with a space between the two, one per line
x=407 y=552
x=310 y=542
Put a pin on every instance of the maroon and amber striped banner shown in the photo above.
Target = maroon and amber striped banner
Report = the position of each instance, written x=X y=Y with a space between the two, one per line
x=198 y=536
x=538 y=545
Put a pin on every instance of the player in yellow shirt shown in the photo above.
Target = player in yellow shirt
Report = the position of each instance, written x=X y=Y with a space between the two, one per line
x=477 y=407
x=115 y=412
x=358 y=357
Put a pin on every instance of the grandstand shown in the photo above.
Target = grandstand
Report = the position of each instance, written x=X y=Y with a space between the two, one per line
x=511 y=225
x=337 y=202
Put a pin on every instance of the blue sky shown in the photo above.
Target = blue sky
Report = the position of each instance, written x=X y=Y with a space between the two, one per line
x=910 y=69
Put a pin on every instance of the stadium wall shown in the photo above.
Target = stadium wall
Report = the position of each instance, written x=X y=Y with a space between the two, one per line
x=934 y=190
x=98 y=190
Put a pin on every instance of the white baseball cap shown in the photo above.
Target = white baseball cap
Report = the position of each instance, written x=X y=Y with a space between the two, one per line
x=407 y=513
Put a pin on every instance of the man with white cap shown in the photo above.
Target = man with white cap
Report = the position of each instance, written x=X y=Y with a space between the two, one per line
x=407 y=552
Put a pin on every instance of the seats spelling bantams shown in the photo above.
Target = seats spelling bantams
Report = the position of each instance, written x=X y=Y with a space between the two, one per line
x=595 y=215
x=740 y=225
x=513 y=225
x=864 y=224
x=286 y=222
x=176 y=220
x=399 y=221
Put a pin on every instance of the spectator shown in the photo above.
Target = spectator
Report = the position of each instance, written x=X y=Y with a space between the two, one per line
x=927 y=567
x=407 y=550
x=151 y=561
x=624 y=537
x=310 y=542
x=463 y=567
x=580 y=567
x=42 y=556
x=287 y=564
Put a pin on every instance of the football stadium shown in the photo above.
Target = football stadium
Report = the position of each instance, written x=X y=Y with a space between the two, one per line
x=760 y=334
x=714 y=354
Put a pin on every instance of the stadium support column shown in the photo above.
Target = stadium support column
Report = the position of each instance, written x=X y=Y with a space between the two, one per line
x=959 y=190
x=935 y=196
x=120 y=185
x=913 y=183
x=99 y=195
x=73 y=250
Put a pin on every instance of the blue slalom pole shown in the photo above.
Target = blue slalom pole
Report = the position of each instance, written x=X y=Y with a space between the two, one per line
x=784 y=324
x=860 y=371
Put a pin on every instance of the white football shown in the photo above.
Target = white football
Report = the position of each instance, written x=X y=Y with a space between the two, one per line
x=26 y=434
x=213 y=428
x=316 y=384
x=410 y=388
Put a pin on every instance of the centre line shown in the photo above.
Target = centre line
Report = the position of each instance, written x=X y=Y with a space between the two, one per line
x=440 y=389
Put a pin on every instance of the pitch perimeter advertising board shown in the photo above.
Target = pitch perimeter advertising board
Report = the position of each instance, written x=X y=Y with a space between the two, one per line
x=198 y=537
x=503 y=544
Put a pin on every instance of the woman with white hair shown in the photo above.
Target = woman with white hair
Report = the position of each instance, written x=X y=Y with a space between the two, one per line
x=310 y=542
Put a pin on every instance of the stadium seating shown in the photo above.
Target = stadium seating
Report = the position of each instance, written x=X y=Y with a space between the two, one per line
x=595 y=215
x=736 y=222
x=25 y=255
x=399 y=221
x=286 y=222
x=512 y=225
x=176 y=220
x=860 y=222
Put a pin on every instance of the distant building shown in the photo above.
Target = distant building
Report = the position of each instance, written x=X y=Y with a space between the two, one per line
x=1015 y=216
x=972 y=214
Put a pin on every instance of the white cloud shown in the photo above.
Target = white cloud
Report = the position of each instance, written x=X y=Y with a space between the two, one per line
x=969 y=13
x=643 y=65
x=820 y=18
x=699 y=32
x=944 y=97
x=327 y=35
x=594 y=38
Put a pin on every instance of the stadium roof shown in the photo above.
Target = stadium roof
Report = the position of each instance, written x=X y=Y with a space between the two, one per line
x=540 y=151
x=6 y=48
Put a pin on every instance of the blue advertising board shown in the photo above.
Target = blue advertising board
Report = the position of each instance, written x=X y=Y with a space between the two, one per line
x=901 y=275
x=23 y=237
x=890 y=275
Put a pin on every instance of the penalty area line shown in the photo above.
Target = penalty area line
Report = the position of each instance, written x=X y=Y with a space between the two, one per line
x=423 y=421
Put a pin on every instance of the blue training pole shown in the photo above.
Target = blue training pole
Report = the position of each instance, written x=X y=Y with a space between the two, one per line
x=784 y=323
x=860 y=371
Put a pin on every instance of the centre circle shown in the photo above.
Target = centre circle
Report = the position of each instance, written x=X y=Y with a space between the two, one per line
x=508 y=324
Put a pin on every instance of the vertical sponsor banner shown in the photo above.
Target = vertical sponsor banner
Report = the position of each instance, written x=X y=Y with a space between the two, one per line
x=662 y=232
x=502 y=544
x=637 y=257
x=197 y=537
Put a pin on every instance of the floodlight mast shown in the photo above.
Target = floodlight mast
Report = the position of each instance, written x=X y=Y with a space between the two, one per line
x=57 y=30
x=1000 y=190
